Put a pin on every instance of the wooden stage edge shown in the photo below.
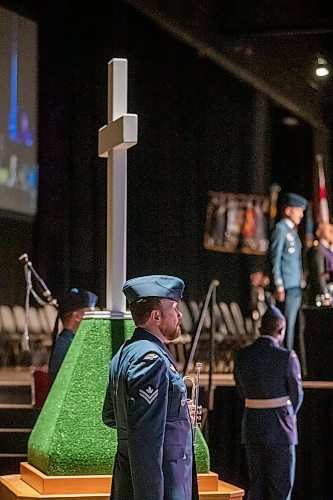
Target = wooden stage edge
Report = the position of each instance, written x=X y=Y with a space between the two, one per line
x=23 y=376
x=227 y=380
x=32 y=484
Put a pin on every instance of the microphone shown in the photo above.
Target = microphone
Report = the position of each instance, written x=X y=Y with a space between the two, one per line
x=24 y=259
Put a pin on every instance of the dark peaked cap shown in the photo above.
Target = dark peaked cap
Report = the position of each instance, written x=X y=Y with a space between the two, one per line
x=76 y=299
x=156 y=285
x=293 y=200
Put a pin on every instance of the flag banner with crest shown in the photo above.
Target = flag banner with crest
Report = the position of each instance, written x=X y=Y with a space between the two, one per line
x=237 y=223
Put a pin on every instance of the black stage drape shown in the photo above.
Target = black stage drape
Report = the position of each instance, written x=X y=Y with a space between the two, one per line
x=195 y=126
x=198 y=132
x=314 y=452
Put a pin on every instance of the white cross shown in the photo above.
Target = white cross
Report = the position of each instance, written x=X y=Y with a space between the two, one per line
x=120 y=134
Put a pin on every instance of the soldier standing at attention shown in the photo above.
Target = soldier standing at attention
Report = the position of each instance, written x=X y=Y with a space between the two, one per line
x=72 y=307
x=146 y=400
x=268 y=377
x=285 y=251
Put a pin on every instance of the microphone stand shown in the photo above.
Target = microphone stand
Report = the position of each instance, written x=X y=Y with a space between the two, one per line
x=189 y=361
x=211 y=388
x=210 y=297
x=45 y=291
x=29 y=270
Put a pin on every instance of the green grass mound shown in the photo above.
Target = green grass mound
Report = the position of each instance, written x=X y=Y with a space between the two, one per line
x=202 y=458
x=69 y=437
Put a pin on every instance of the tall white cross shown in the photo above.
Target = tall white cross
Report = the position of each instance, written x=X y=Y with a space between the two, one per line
x=120 y=134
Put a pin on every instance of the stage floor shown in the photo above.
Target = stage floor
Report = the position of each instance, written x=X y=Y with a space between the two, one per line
x=18 y=375
x=24 y=376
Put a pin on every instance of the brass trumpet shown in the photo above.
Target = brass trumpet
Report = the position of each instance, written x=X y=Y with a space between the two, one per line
x=195 y=410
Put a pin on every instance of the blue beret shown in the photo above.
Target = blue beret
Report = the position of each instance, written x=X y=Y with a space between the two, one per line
x=293 y=200
x=156 y=285
x=76 y=299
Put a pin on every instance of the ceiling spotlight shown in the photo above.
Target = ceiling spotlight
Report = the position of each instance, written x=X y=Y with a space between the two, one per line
x=322 y=68
x=290 y=121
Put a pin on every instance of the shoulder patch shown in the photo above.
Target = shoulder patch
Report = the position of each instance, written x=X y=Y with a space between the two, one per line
x=151 y=356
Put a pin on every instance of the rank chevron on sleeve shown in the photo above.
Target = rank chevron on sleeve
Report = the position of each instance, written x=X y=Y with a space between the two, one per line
x=149 y=394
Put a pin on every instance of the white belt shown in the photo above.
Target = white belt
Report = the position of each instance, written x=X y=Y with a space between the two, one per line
x=267 y=403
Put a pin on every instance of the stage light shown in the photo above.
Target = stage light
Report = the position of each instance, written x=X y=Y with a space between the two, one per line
x=290 y=121
x=322 y=68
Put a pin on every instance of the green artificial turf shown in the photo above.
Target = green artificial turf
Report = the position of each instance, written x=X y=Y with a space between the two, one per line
x=69 y=437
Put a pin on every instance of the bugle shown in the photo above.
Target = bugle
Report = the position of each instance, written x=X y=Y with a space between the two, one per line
x=195 y=410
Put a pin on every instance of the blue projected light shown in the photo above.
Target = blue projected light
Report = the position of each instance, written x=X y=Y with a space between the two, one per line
x=12 y=125
x=18 y=114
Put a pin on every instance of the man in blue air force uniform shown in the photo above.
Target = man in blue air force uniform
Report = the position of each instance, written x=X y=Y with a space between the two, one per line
x=268 y=377
x=72 y=307
x=146 y=400
x=285 y=251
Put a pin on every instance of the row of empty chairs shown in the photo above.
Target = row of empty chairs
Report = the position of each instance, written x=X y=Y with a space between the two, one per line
x=230 y=330
x=12 y=326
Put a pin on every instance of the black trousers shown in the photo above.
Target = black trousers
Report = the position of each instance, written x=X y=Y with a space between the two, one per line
x=271 y=471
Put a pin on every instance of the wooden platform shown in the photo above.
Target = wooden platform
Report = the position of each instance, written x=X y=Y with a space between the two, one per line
x=53 y=485
x=33 y=484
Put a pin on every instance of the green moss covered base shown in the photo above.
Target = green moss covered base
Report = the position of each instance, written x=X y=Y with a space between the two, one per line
x=69 y=437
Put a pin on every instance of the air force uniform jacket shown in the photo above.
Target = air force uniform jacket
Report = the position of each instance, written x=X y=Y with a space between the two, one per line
x=146 y=401
x=265 y=370
x=285 y=255
x=63 y=343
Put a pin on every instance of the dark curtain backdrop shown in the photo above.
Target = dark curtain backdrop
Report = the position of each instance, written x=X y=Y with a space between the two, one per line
x=200 y=129
x=195 y=135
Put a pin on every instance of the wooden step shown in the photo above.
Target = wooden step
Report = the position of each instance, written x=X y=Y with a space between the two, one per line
x=14 y=488
x=14 y=441
x=15 y=393
x=18 y=416
x=16 y=423
x=10 y=463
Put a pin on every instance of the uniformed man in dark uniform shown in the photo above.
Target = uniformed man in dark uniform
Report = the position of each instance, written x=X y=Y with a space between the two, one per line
x=72 y=307
x=320 y=262
x=268 y=377
x=146 y=400
x=285 y=252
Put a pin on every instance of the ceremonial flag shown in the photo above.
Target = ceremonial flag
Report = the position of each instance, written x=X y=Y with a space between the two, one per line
x=323 y=212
